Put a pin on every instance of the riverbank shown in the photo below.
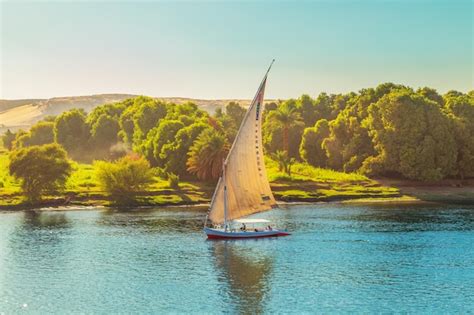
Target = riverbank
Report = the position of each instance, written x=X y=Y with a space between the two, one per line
x=293 y=195
x=306 y=184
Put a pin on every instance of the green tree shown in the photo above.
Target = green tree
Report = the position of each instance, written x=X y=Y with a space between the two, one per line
x=147 y=117
x=114 y=110
x=207 y=154
x=307 y=109
x=339 y=103
x=218 y=113
x=159 y=140
x=452 y=93
x=432 y=95
x=348 y=144
x=286 y=116
x=39 y=134
x=281 y=125
x=236 y=113
x=273 y=137
x=130 y=107
x=124 y=179
x=104 y=131
x=8 y=137
x=323 y=107
x=461 y=110
x=176 y=153
x=127 y=125
x=188 y=109
x=412 y=137
x=225 y=124
x=229 y=122
x=269 y=107
x=71 y=131
x=22 y=140
x=311 y=149
x=41 y=169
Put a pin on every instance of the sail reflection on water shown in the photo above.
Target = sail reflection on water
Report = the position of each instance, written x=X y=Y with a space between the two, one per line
x=245 y=272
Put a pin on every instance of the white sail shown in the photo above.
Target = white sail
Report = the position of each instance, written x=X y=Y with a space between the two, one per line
x=248 y=189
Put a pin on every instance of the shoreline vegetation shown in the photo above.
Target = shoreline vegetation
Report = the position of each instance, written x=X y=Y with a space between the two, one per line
x=386 y=143
x=307 y=184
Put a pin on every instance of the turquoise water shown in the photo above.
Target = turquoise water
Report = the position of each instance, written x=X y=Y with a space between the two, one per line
x=341 y=258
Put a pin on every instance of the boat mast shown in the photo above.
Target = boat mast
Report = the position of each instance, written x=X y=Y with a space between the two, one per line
x=225 y=195
x=222 y=178
x=249 y=109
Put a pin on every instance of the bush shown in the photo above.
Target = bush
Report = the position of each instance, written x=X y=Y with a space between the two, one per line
x=124 y=179
x=160 y=172
x=284 y=162
x=173 y=181
x=41 y=169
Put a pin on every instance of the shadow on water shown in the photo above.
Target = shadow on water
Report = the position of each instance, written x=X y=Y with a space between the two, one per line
x=419 y=218
x=380 y=217
x=44 y=220
x=147 y=220
x=39 y=238
x=244 y=272
x=41 y=228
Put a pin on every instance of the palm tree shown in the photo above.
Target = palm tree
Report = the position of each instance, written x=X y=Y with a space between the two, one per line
x=280 y=157
x=207 y=153
x=287 y=117
x=284 y=161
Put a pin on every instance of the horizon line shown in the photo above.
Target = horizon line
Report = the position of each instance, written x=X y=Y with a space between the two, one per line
x=229 y=98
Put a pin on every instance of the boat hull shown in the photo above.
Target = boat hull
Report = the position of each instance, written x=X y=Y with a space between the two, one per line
x=220 y=234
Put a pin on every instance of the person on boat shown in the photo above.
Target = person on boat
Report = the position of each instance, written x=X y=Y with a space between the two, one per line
x=244 y=227
x=269 y=228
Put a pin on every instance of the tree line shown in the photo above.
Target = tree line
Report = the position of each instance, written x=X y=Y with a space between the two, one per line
x=138 y=138
x=390 y=130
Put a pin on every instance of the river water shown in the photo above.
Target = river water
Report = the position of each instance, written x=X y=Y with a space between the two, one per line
x=340 y=258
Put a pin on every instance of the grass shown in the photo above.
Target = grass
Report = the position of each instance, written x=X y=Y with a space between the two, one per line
x=306 y=183
x=8 y=185
x=303 y=172
x=82 y=188
x=10 y=190
x=82 y=179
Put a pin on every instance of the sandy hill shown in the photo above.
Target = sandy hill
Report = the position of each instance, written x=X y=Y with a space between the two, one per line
x=21 y=114
x=7 y=104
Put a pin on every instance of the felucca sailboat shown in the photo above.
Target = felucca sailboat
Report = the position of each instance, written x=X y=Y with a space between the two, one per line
x=243 y=189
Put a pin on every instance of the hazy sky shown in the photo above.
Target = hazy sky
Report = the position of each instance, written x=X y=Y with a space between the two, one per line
x=221 y=49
